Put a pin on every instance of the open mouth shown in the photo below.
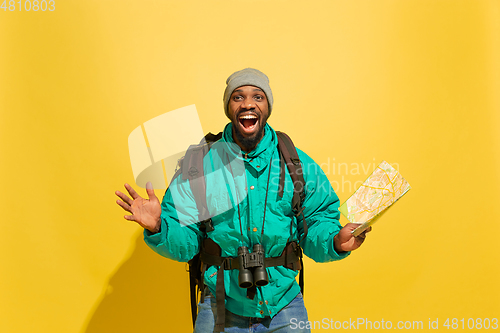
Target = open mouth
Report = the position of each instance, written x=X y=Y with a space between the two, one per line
x=248 y=122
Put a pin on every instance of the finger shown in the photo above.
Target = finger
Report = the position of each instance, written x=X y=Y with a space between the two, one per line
x=358 y=241
x=366 y=231
x=129 y=217
x=150 y=191
x=132 y=192
x=123 y=205
x=362 y=236
x=352 y=226
x=124 y=197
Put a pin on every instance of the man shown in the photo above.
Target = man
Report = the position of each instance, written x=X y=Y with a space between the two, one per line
x=246 y=210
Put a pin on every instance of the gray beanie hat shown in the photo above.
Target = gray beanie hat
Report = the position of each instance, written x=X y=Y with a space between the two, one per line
x=247 y=77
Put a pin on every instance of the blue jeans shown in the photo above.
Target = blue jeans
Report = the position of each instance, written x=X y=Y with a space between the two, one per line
x=282 y=322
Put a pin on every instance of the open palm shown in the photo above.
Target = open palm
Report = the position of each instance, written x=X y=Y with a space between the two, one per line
x=146 y=212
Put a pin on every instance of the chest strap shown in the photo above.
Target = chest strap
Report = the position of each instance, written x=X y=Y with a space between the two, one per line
x=210 y=256
x=289 y=260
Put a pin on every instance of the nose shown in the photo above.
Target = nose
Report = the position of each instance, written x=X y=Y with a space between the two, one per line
x=249 y=103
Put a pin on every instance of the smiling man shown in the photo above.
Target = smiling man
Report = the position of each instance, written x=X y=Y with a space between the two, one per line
x=247 y=288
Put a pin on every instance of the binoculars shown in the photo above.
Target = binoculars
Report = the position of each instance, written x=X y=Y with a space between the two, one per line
x=252 y=267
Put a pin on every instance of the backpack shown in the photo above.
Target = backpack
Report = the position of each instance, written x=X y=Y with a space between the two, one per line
x=191 y=167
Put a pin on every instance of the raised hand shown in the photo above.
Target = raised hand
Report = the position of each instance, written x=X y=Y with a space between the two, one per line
x=344 y=241
x=146 y=212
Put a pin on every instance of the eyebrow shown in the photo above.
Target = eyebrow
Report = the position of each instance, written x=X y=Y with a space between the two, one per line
x=240 y=90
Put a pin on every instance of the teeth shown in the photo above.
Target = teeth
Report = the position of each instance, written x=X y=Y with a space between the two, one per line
x=248 y=117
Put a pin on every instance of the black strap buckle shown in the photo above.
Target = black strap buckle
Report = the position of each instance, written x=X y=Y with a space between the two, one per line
x=227 y=263
x=207 y=226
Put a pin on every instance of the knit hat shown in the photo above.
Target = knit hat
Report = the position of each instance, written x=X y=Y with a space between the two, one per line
x=247 y=77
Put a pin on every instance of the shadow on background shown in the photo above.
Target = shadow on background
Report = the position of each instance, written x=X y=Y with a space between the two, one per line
x=147 y=293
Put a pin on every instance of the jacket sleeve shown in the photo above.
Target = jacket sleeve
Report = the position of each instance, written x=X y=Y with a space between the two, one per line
x=321 y=214
x=179 y=236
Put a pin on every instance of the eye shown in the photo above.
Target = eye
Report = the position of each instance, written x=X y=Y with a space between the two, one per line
x=258 y=97
x=237 y=98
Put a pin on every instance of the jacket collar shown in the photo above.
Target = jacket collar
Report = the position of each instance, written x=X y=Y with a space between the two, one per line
x=264 y=149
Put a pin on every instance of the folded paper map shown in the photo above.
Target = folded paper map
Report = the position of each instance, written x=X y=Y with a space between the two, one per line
x=382 y=188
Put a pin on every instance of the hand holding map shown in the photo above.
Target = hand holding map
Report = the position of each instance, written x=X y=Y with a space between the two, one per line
x=382 y=188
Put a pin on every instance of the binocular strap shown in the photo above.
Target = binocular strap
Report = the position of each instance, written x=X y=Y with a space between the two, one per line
x=251 y=292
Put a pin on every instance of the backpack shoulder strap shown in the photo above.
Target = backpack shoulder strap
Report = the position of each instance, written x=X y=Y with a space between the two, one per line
x=290 y=157
x=191 y=168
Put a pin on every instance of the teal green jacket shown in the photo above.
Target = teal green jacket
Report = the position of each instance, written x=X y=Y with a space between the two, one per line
x=237 y=185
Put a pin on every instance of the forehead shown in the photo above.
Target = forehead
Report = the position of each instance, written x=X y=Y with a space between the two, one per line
x=247 y=89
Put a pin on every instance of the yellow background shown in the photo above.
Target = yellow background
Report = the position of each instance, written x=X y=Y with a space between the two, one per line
x=413 y=82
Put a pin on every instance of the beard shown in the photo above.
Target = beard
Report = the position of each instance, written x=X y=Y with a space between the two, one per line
x=249 y=142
